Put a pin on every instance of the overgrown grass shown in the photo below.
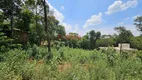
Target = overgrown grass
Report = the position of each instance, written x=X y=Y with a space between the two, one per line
x=70 y=64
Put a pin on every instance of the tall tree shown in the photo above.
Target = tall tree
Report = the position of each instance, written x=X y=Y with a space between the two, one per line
x=46 y=9
x=93 y=38
x=124 y=35
x=85 y=42
x=61 y=30
x=10 y=8
x=11 y=19
x=138 y=23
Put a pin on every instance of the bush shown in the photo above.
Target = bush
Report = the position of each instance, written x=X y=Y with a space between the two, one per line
x=139 y=55
x=136 y=42
x=105 y=42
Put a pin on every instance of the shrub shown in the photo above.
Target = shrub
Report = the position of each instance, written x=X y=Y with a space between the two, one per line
x=77 y=64
x=136 y=42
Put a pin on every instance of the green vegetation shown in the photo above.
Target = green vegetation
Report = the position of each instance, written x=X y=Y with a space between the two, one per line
x=69 y=64
x=34 y=46
x=138 y=23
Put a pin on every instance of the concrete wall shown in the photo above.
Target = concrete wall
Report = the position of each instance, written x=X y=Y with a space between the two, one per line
x=124 y=45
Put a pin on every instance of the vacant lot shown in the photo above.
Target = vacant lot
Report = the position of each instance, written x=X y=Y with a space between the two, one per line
x=70 y=64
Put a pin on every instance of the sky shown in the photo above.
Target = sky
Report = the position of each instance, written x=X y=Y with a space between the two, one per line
x=81 y=16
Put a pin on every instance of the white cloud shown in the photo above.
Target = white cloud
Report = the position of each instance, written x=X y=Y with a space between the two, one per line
x=103 y=30
x=68 y=27
x=94 y=20
x=120 y=24
x=58 y=15
x=106 y=30
x=71 y=28
x=134 y=17
x=110 y=30
x=62 y=7
x=82 y=32
x=120 y=6
x=76 y=28
x=133 y=29
x=127 y=18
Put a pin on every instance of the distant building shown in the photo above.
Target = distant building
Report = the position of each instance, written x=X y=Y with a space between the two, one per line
x=125 y=47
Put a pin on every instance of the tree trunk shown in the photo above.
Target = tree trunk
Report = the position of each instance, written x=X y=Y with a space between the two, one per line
x=49 y=49
x=120 y=48
x=36 y=16
x=45 y=20
x=11 y=18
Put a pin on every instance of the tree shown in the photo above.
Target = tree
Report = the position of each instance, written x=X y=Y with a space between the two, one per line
x=105 y=42
x=10 y=8
x=37 y=33
x=72 y=40
x=61 y=30
x=124 y=35
x=46 y=9
x=5 y=40
x=136 y=42
x=138 y=23
x=33 y=10
x=85 y=42
x=93 y=38
x=29 y=20
x=24 y=22
x=52 y=28
x=1 y=18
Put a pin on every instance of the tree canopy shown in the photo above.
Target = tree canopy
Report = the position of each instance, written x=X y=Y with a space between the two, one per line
x=138 y=23
x=124 y=35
